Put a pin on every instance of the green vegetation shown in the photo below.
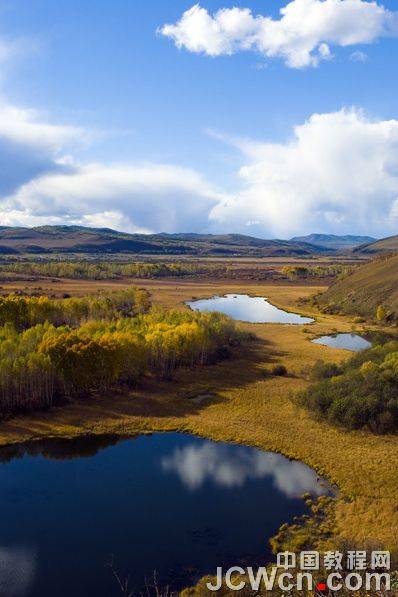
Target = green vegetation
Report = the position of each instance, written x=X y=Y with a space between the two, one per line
x=370 y=291
x=56 y=350
x=298 y=272
x=28 y=268
x=360 y=393
x=107 y=270
x=276 y=371
x=23 y=312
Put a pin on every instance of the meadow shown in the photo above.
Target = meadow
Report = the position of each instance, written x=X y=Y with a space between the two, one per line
x=232 y=400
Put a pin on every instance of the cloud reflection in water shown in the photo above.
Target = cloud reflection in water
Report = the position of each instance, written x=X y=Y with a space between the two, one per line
x=17 y=570
x=233 y=466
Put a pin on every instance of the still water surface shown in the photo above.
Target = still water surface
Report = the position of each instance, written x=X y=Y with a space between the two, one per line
x=346 y=341
x=171 y=502
x=253 y=309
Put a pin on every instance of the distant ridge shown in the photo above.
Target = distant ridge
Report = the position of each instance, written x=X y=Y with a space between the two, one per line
x=385 y=245
x=334 y=242
x=81 y=239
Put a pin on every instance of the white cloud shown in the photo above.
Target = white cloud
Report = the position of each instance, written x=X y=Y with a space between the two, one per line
x=302 y=36
x=42 y=183
x=338 y=173
x=30 y=146
x=131 y=197
x=25 y=127
x=358 y=56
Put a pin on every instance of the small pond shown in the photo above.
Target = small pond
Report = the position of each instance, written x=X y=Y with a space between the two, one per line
x=171 y=502
x=346 y=341
x=252 y=309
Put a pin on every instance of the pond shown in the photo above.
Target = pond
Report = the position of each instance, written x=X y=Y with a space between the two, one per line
x=252 y=309
x=352 y=342
x=173 y=503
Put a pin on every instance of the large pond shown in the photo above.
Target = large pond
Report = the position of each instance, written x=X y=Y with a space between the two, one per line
x=352 y=342
x=173 y=503
x=253 y=309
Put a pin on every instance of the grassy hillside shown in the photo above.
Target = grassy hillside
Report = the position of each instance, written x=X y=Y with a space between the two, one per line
x=78 y=239
x=385 y=245
x=371 y=285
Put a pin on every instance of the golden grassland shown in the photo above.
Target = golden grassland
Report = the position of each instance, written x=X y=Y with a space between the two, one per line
x=231 y=401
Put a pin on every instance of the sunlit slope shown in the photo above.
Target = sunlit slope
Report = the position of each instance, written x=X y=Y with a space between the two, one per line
x=384 y=245
x=372 y=284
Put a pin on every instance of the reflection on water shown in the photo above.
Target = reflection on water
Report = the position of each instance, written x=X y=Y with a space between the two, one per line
x=253 y=309
x=195 y=465
x=346 y=341
x=60 y=448
x=17 y=570
x=171 y=502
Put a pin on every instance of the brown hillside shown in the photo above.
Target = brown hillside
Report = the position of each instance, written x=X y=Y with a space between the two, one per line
x=372 y=284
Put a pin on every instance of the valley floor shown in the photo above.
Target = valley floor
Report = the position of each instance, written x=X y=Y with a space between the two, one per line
x=231 y=401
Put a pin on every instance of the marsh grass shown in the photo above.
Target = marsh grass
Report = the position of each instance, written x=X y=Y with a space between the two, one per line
x=252 y=410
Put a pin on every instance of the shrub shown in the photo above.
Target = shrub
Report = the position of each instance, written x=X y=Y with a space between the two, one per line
x=279 y=370
x=323 y=370
x=381 y=313
x=266 y=372
x=363 y=392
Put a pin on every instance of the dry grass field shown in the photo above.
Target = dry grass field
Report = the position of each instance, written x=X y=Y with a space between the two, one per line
x=243 y=406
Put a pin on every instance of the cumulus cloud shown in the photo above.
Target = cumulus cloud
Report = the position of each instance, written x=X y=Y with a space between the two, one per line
x=42 y=183
x=302 y=36
x=338 y=173
x=134 y=198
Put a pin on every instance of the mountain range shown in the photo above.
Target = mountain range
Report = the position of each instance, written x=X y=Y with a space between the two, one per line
x=80 y=239
x=333 y=242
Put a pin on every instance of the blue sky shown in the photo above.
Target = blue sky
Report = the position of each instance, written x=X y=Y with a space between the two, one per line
x=216 y=131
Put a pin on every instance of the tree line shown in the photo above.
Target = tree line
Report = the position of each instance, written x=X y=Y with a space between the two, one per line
x=106 y=270
x=22 y=311
x=45 y=361
x=295 y=272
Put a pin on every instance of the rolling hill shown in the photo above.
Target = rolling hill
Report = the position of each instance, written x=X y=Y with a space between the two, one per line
x=384 y=245
x=79 y=239
x=333 y=242
x=371 y=285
